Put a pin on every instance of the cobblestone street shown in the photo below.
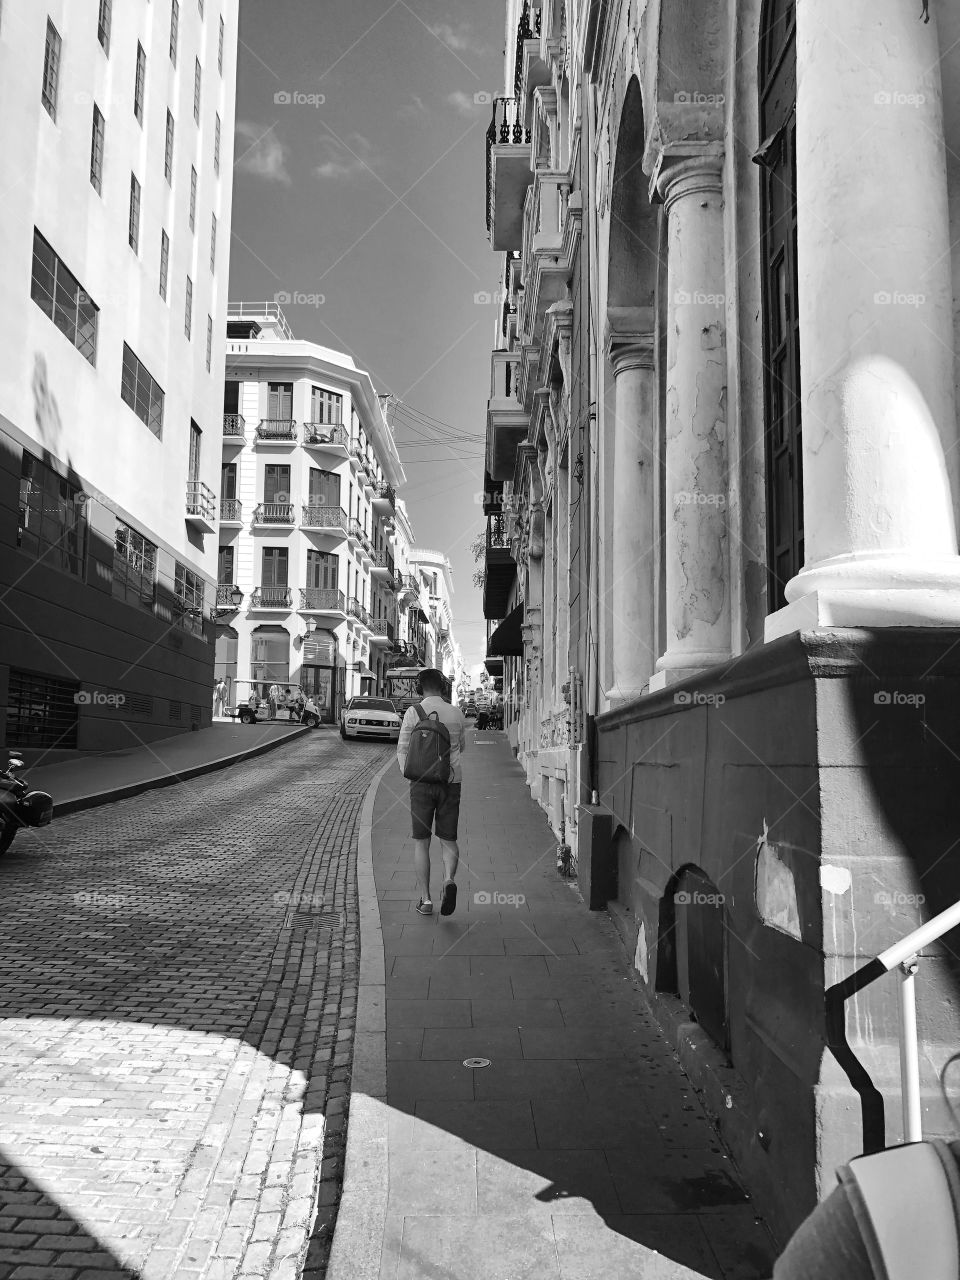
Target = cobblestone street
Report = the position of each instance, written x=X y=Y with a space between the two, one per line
x=178 y=990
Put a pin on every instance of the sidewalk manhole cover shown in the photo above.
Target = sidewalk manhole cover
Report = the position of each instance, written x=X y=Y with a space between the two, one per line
x=476 y=1062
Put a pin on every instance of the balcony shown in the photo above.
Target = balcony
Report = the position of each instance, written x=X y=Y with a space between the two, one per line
x=508 y=174
x=271 y=598
x=323 y=600
x=324 y=435
x=357 y=454
x=231 y=511
x=507 y=423
x=201 y=506
x=551 y=227
x=381 y=631
x=324 y=519
x=356 y=610
x=409 y=586
x=276 y=431
x=272 y=513
x=385 y=495
x=382 y=564
x=357 y=534
x=234 y=427
x=225 y=597
x=499 y=570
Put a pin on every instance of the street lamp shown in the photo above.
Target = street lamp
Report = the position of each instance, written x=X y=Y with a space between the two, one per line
x=236 y=597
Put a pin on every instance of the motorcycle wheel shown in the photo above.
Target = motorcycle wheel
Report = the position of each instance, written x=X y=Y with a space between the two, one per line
x=310 y=720
x=7 y=833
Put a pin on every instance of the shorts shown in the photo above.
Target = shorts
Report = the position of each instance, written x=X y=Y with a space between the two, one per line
x=435 y=800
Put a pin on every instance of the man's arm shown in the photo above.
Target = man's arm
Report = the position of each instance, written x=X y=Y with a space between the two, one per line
x=403 y=742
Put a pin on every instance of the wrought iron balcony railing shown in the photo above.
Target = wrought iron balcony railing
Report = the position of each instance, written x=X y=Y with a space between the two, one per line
x=325 y=433
x=355 y=608
x=381 y=627
x=233 y=425
x=323 y=599
x=231 y=511
x=277 y=429
x=225 y=592
x=496 y=534
x=324 y=517
x=273 y=513
x=385 y=492
x=271 y=598
x=355 y=529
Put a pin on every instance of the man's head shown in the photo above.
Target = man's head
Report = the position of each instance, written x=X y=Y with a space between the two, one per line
x=431 y=682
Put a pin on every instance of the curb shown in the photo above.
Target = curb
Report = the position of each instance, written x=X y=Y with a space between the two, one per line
x=357 y=1245
x=169 y=779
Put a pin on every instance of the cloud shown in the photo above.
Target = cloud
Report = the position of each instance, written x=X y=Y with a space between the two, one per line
x=259 y=152
x=462 y=102
x=414 y=110
x=356 y=154
x=456 y=38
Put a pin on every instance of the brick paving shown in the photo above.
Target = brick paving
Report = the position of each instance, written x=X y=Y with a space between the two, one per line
x=178 y=985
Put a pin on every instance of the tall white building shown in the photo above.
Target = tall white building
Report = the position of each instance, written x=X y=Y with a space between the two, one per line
x=117 y=124
x=308 y=509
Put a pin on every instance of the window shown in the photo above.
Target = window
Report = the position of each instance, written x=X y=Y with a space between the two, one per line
x=51 y=70
x=216 y=144
x=781 y=336
x=324 y=488
x=193 y=198
x=133 y=234
x=134 y=567
x=323 y=569
x=228 y=480
x=52 y=525
x=325 y=406
x=225 y=559
x=103 y=24
x=280 y=401
x=196 y=89
x=213 y=242
x=231 y=397
x=58 y=293
x=209 y=343
x=269 y=658
x=96 y=150
x=274 y=567
x=188 y=309
x=220 y=47
x=174 y=29
x=168 y=149
x=140 y=83
x=188 y=587
x=141 y=392
x=164 y=263
x=276 y=483
x=193 y=462
x=41 y=710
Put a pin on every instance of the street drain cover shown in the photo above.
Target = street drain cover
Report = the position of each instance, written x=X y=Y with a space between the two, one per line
x=476 y=1062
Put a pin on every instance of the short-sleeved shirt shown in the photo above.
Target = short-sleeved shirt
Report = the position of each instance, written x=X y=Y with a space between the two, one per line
x=452 y=717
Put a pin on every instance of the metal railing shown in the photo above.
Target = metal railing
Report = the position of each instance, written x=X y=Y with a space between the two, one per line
x=233 y=425
x=324 y=433
x=905 y=956
x=386 y=491
x=225 y=592
x=276 y=429
x=355 y=608
x=381 y=627
x=355 y=529
x=323 y=599
x=201 y=500
x=231 y=510
x=259 y=310
x=271 y=598
x=324 y=517
x=273 y=513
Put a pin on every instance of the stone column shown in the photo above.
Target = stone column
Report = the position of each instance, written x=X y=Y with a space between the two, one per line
x=696 y=554
x=880 y=451
x=633 y=535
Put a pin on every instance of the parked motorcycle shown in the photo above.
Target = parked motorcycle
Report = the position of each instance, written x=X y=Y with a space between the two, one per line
x=19 y=806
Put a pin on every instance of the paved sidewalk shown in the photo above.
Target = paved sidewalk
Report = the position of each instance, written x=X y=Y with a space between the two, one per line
x=580 y=1151
x=91 y=780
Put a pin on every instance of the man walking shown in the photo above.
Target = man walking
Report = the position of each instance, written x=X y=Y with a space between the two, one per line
x=435 y=805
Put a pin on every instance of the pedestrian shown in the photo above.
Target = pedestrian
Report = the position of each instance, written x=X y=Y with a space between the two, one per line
x=219 y=698
x=273 y=697
x=253 y=702
x=434 y=802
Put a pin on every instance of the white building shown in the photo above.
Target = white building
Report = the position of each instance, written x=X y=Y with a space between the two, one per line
x=117 y=125
x=436 y=579
x=307 y=576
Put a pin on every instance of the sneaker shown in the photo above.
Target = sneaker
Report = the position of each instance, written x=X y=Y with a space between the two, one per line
x=448 y=899
x=425 y=908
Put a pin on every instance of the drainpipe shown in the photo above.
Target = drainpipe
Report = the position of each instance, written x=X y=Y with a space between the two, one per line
x=591 y=699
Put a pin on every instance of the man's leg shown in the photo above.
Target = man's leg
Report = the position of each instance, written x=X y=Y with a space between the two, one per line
x=421 y=866
x=451 y=858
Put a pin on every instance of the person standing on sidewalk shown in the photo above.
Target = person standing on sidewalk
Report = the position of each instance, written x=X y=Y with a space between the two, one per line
x=435 y=805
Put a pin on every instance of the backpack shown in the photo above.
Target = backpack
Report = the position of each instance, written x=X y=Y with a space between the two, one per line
x=428 y=753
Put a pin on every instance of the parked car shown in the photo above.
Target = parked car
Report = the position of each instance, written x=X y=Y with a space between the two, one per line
x=304 y=710
x=370 y=718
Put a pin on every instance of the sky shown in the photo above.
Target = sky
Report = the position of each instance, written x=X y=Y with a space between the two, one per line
x=359 y=191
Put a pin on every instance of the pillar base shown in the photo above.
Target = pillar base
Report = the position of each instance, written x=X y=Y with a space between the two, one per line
x=680 y=666
x=616 y=697
x=898 y=607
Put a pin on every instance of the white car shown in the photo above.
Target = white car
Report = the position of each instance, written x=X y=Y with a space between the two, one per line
x=370 y=718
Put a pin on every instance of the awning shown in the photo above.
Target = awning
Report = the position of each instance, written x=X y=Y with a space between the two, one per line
x=506 y=641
